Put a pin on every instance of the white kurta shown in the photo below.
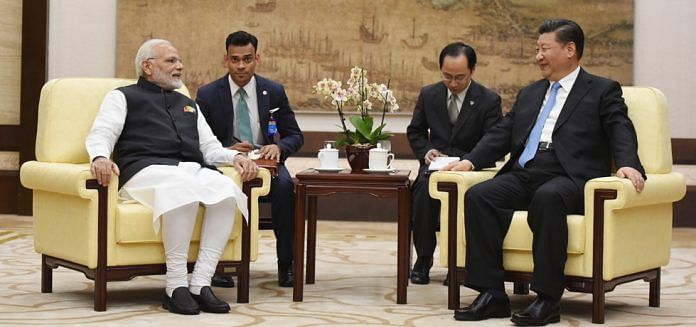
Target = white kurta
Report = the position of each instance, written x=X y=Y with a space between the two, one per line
x=164 y=187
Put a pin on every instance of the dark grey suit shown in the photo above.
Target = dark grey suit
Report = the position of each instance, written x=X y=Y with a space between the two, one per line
x=430 y=128
x=592 y=129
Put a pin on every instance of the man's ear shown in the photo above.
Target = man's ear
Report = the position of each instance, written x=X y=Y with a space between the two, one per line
x=146 y=66
x=571 y=49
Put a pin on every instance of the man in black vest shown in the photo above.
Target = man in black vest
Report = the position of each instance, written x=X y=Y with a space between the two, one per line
x=164 y=153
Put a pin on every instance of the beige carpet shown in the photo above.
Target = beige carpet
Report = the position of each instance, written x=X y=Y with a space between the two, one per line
x=356 y=286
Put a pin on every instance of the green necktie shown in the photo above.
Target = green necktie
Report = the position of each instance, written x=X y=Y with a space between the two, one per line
x=243 y=120
x=453 y=109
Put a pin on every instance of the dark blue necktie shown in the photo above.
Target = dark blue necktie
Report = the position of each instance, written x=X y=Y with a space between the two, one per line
x=533 y=140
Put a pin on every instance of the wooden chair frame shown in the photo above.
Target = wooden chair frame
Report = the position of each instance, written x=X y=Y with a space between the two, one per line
x=595 y=285
x=104 y=273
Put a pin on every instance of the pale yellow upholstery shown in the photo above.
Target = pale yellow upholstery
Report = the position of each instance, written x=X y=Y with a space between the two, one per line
x=65 y=211
x=637 y=227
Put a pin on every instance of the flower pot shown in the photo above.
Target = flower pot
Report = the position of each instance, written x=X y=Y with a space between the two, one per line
x=358 y=157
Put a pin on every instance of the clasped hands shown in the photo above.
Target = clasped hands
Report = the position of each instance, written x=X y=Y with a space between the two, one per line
x=629 y=173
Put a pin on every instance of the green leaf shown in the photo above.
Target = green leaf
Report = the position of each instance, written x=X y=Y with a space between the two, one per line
x=363 y=127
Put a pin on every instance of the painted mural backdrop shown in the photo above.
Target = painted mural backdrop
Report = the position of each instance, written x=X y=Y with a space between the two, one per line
x=303 y=41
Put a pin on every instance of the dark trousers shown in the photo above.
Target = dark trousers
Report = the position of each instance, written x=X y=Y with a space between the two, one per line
x=282 y=197
x=548 y=195
x=425 y=214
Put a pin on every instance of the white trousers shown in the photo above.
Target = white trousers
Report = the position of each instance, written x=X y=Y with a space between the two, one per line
x=175 y=194
x=164 y=188
x=177 y=230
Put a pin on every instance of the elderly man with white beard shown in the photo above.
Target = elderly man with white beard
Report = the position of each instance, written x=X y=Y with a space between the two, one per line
x=165 y=154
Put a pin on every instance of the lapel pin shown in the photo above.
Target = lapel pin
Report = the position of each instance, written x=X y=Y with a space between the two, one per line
x=264 y=92
x=471 y=103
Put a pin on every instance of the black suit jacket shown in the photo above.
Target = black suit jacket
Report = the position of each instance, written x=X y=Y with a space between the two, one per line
x=430 y=127
x=592 y=129
x=215 y=102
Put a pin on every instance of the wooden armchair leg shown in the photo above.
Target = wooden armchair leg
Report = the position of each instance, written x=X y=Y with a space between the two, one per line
x=243 y=269
x=243 y=284
x=521 y=288
x=46 y=276
x=99 y=294
x=598 y=301
x=654 y=298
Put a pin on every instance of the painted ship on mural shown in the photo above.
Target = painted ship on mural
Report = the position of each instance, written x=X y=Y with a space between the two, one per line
x=372 y=33
x=415 y=41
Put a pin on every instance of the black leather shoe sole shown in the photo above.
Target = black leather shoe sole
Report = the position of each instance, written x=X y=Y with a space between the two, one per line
x=212 y=309
x=286 y=283
x=222 y=281
x=419 y=279
x=468 y=315
x=167 y=304
x=525 y=321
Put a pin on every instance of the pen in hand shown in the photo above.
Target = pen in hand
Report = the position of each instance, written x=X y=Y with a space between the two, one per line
x=243 y=146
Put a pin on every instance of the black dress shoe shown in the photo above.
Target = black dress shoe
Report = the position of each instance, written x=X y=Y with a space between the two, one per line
x=539 y=313
x=421 y=270
x=286 y=275
x=180 y=302
x=222 y=281
x=485 y=306
x=209 y=302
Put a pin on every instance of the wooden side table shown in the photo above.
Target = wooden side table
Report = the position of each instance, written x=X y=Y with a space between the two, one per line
x=312 y=184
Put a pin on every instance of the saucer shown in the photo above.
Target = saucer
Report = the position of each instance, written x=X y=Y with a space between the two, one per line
x=336 y=169
x=379 y=171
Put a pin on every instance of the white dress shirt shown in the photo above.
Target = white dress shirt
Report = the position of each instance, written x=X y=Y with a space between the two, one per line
x=567 y=83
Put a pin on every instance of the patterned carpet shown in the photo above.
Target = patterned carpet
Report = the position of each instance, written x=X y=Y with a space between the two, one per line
x=356 y=286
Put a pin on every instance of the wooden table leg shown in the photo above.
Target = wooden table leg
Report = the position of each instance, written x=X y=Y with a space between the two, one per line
x=311 y=238
x=404 y=244
x=298 y=287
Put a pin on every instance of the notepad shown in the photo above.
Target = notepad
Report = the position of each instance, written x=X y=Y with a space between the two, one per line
x=440 y=162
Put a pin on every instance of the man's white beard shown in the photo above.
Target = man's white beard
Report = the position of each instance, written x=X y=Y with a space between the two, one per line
x=166 y=81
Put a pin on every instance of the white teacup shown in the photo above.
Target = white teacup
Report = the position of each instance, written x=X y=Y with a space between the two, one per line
x=328 y=158
x=380 y=159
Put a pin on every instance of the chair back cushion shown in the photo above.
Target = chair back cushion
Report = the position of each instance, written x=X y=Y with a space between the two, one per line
x=67 y=108
x=647 y=108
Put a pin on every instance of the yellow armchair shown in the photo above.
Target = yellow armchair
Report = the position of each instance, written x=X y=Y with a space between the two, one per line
x=624 y=236
x=85 y=227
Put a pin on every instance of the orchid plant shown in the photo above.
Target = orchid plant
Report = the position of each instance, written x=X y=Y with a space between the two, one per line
x=360 y=95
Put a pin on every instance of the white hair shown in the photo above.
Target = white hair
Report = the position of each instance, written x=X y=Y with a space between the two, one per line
x=145 y=53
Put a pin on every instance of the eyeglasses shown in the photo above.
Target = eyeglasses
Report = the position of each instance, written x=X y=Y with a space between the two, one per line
x=449 y=78
x=170 y=60
x=246 y=59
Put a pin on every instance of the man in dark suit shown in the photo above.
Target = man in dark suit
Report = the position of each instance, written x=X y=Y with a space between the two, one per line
x=238 y=108
x=562 y=131
x=450 y=118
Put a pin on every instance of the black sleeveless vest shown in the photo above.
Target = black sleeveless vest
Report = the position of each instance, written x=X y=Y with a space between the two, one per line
x=160 y=129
